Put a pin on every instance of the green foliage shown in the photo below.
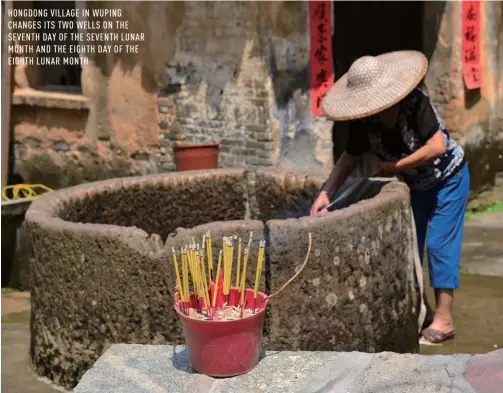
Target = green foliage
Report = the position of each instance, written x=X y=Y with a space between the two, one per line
x=496 y=208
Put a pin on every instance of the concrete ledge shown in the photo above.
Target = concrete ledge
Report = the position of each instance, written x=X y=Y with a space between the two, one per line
x=37 y=98
x=15 y=208
x=166 y=369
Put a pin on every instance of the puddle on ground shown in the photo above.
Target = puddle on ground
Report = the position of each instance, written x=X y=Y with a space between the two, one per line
x=478 y=316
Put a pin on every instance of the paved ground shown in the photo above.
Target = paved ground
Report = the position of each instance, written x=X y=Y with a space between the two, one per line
x=483 y=245
x=479 y=311
x=17 y=374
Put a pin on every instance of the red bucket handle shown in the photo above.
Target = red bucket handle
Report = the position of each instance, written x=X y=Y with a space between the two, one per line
x=267 y=299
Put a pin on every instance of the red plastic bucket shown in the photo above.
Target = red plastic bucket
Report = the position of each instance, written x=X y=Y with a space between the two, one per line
x=225 y=348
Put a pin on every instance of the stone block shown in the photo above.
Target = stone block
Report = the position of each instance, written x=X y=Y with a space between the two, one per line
x=167 y=369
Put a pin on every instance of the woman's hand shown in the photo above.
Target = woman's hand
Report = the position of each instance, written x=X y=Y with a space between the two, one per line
x=320 y=204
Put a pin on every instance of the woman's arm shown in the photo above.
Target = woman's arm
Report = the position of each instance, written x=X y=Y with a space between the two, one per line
x=341 y=170
x=434 y=148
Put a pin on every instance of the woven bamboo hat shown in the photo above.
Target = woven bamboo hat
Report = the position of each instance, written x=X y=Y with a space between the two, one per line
x=373 y=84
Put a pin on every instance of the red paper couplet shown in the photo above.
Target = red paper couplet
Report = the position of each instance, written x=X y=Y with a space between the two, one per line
x=471 y=44
x=321 y=62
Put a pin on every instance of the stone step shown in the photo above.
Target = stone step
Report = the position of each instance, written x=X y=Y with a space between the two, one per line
x=166 y=369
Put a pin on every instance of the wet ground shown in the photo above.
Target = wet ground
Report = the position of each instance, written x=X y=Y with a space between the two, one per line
x=478 y=310
x=478 y=305
x=478 y=317
x=17 y=373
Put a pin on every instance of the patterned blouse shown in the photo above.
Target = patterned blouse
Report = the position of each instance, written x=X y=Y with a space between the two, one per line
x=418 y=121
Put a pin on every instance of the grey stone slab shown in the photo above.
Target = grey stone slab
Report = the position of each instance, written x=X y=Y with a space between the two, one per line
x=166 y=369
x=143 y=369
x=406 y=373
x=337 y=374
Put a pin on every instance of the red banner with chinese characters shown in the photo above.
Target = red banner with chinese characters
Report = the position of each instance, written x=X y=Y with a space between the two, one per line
x=321 y=62
x=471 y=44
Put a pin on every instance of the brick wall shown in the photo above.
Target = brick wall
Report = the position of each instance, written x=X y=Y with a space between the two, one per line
x=216 y=86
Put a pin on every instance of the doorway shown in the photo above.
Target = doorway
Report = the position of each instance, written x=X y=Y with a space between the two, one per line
x=371 y=28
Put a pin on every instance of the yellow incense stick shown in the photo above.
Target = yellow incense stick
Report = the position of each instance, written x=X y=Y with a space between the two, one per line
x=197 y=275
x=205 y=283
x=210 y=257
x=185 y=274
x=194 y=268
x=259 y=269
x=216 y=278
x=228 y=265
x=190 y=257
x=178 y=282
x=243 y=276
x=238 y=277
x=224 y=258
x=232 y=260
x=230 y=256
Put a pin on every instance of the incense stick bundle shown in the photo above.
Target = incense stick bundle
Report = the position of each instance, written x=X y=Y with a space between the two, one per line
x=197 y=273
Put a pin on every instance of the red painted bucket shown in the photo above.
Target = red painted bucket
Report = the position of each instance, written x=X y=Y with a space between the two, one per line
x=225 y=348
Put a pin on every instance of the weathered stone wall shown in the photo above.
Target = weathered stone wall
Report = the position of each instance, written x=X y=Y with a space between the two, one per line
x=240 y=75
x=474 y=117
x=102 y=271
x=358 y=292
x=237 y=73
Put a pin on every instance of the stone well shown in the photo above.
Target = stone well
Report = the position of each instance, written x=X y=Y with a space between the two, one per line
x=102 y=271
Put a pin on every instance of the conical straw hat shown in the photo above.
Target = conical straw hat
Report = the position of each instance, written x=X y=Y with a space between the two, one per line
x=373 y=84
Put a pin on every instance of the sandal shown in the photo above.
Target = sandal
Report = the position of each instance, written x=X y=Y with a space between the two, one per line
x=436 y=336
x=428 y=320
